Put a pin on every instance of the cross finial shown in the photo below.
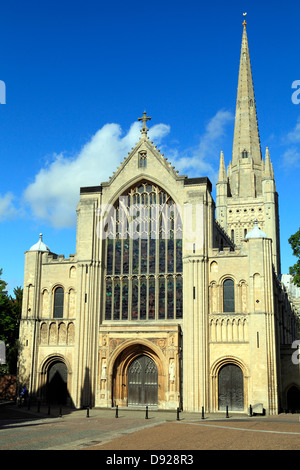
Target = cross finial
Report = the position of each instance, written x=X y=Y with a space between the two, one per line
x=145 y=118
x=244 y=15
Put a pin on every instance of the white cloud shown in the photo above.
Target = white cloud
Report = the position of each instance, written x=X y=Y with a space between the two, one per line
x=201 y=160
x=294 y=135
x=54 y=194
x=158 y=132
x=7 y=207
x=291 y=156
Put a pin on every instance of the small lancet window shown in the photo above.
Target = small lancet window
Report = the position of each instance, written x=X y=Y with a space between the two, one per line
x=58 y=310
x=142 y=159
x=244 y=154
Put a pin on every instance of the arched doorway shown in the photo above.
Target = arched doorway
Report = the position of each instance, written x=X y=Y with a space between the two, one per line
x=293 y=399
x=57 y=376
x=142 y=382
x=231 y=388
x=138 y=375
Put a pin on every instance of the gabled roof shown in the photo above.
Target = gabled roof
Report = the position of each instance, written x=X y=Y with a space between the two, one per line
x=145 y=144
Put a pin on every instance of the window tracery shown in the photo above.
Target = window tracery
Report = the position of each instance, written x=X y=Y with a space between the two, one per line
x=144 y=256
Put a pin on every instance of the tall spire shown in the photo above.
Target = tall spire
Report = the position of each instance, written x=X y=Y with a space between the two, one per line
x=246 y=142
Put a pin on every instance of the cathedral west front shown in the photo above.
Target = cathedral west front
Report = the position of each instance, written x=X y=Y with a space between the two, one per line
x=171 y=300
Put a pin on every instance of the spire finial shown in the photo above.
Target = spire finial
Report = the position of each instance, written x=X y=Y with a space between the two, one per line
x=145 y=118
x=244 y=15
x=222 y=170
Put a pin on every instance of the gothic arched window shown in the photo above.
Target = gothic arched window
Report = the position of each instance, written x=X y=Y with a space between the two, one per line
x=142 y=159
x=58 y=310
x=228 y=296
x=144 y=256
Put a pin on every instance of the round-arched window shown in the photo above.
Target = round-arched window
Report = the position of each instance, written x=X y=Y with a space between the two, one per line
x=228 y=296
x=58 y=310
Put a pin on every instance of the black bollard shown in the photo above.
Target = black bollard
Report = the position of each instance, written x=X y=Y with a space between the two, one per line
x=177 y=414
x=202 y=417
x=88 y=412
x=250 y=410
x=146 y=417
x=60 y=412
x=227 y=415
x=117 y=414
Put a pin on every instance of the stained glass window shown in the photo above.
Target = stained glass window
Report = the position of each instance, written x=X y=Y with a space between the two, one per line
x=134 y=299
x=170 y=297
x=125 y=299
x=143 y=298
x=179 y=294
x=143 y=247
x=135 y=256
x=151 y=311
x=162 y=256
x=117 y=294
x=162 y=298
x=170 y=256
x=108 y=303
x=179 y=256
x=126 y=256
x=144 y=256
x=118 y=257
x=152 y=252
x=110 y=255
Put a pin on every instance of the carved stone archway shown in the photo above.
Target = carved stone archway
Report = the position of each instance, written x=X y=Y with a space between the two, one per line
x=55 y=372
x=134 y=354
x=215 y=370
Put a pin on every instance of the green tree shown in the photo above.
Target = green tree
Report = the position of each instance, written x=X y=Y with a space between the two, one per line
x=294 y=241
x=10 y=314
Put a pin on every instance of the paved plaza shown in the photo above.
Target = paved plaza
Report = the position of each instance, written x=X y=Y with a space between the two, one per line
x=65 y=429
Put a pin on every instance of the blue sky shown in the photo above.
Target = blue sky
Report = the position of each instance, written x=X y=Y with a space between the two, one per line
x=78 y=74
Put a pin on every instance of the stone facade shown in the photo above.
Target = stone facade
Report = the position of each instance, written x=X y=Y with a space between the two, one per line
x=162 y=304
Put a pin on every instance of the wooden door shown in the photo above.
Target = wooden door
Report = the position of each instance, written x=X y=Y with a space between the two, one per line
x=231 y=388
x=142 y=382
